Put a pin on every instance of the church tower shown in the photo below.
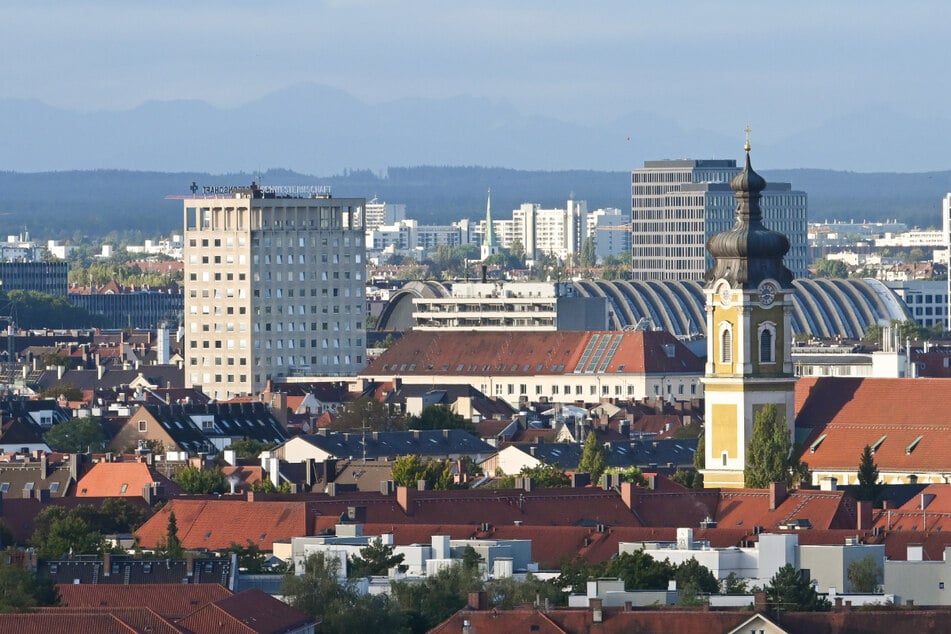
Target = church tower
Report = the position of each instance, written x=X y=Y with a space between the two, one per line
x=488 y=241
x=749 y=361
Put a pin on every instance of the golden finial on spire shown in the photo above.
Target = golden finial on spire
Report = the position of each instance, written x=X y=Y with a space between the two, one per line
x=746 y=146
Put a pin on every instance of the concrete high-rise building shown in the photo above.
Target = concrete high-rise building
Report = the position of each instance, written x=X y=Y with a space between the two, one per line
x=946 y=225
x=677 y=205
x=377 y=214
x=611 y=231
x=273 y=289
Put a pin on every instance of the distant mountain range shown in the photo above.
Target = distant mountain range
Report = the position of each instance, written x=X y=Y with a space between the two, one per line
x=103 y=171
x=315 y=129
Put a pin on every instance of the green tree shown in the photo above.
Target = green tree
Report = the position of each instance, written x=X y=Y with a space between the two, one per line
x=588 y=257
x=39 y=310
x=769 y=452
x=865 y=574
x=576 y=572
x=249 y=447
x=201 y=481
x=640 y=571
x=831 y=268
x=20 y=589
x=688 y=478
x=431 y=602
x=116 y=515
x=439 y=417
x=376 y=558
x=408 y=470
x=507 y=593
x=544 y=476
x=68 y=390
x=789 y=591
x=171 y=547
x=78 y=435
x=869 y=488
x=317 y=591
x=59 y=533
x=363 y=413
x=694 y=579
x=250 y=558
x=873 y=334
x=592 y=457
x=629 y=474
x=734 y=585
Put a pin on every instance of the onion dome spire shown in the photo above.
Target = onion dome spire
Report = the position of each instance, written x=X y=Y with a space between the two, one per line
x=748 y=253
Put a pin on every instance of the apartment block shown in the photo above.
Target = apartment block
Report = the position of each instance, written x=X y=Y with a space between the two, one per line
x=273 y=288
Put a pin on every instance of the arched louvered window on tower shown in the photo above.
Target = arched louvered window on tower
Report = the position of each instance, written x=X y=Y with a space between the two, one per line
x=767 y=342
x=726 y=343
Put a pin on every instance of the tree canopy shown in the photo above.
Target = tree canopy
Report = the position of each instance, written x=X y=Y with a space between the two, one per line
x=410 y=469
x=376 y=558
x=869 y=488
x=770 y=456
x=317 y=591
x=195 y=480
x=592 y=457
x=790 y=591
x=78 y=435
x=866 y=574
x=363 y=413
x=20 y=589
x=439 y=417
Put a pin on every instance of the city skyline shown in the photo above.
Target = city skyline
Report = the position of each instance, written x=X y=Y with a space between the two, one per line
x=811 y=75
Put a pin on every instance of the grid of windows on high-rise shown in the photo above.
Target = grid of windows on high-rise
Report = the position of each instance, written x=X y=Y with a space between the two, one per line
x=274 y=289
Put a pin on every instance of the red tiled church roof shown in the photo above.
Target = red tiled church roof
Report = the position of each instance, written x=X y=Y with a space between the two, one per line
x=534 y=353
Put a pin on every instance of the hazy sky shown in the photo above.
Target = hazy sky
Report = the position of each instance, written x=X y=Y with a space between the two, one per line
x=782 y=66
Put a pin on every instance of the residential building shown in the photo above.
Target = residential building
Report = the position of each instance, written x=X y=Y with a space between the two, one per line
x=749 y=333
x=274 y=288
x=677 y=205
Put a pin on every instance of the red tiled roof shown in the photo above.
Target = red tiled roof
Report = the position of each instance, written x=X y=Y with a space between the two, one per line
x=532 y=353
x=118 y=479
x=248 y=612
x=171 y=600
x=912 y=417
x=44 y=623
x=141 y=619
x=216 y=524
x=822 y=400
x=747 y=508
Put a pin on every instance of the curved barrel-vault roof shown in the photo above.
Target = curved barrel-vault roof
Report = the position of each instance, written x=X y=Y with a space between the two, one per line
x=824 y=308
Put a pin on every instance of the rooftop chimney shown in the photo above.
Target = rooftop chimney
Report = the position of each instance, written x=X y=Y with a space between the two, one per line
x=405 y=499
x=863 y=510
x=777 y=495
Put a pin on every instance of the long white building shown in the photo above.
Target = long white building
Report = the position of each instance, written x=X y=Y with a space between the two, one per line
x=273 y=289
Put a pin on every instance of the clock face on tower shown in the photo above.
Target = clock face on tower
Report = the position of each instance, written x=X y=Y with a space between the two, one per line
x=767 y=294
